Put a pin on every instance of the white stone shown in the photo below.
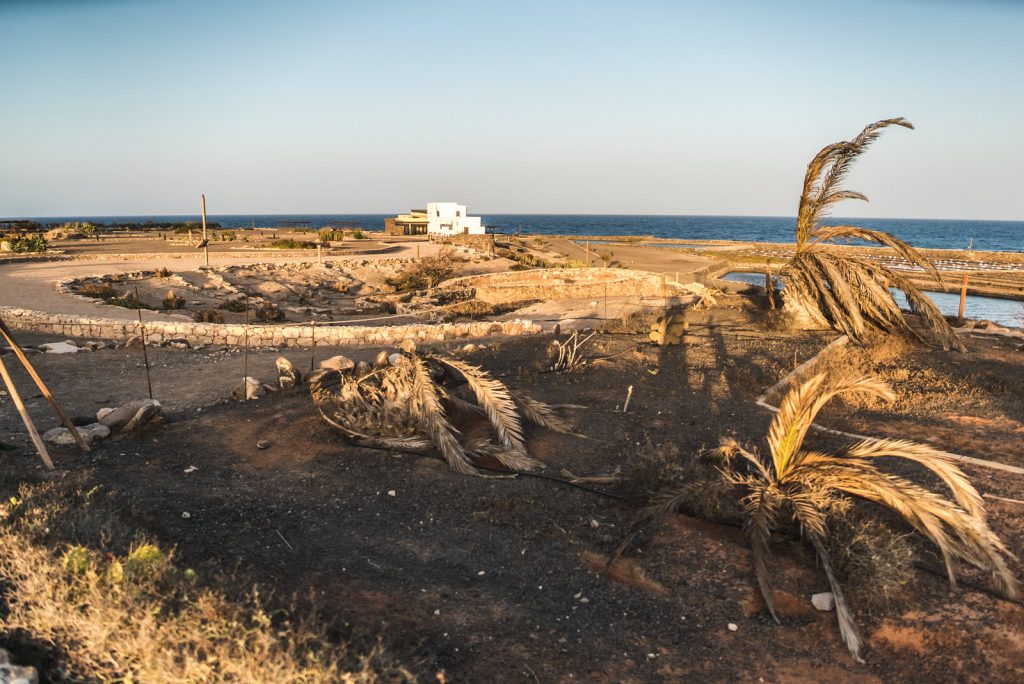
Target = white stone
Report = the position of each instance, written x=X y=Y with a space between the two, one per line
x=61 y=436
x=67 y=347
x=733 y=627
x=824 y=601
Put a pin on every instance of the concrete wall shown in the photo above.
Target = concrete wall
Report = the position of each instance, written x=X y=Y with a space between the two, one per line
x=288 y=334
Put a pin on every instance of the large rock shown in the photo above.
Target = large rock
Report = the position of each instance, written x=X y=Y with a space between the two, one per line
x=140 y=412
x=825 y=601
x=16 y=674
x=250 y=389
x=66 y=347
x=339 y=363
x=287 y=374
x=61 y=436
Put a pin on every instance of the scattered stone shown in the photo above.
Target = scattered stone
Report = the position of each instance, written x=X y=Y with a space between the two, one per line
x=340 y=363
x=93 y=345
x=408 y=346
x=178 y=343
x=824 y=601
x=16 y=674
x=263 y=444
x=61 y=436
x=392 y=492
x=65 y=347
x=733 y=627
x=133 y=341
x=135 y=413
x=381 y=359
x=287 y=374
x=397 y=359
x=186 y=515
x=362 y=368
x=251 y=388
x=191 y=469
x=469 y=348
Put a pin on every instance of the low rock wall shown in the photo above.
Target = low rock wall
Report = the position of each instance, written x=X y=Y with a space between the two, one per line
x=288 y=335
x=562 y=283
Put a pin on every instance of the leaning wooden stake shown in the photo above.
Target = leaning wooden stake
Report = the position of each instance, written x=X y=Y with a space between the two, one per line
x=33 y=433
x=42 y=386
x=142 y=336
x=769 y=284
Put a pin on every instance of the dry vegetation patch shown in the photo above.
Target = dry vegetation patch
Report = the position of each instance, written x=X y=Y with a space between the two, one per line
x=102 y=607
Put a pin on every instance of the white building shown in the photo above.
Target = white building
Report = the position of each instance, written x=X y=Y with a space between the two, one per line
x=449 y=218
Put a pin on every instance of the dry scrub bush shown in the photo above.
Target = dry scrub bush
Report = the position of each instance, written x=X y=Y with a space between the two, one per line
x=110 y=616
x=97 y=290
x=811 y=489
x=426 y=272
x=207 y=316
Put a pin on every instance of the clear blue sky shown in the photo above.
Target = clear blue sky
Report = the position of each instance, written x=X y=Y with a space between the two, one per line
x=137 y=106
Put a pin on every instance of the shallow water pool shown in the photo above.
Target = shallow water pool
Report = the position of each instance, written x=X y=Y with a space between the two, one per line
x=1006 y=312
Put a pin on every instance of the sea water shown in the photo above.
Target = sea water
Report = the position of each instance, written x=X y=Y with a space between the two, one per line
x=996 y=236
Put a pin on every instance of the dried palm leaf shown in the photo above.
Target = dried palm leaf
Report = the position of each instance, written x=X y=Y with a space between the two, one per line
x=406 y=408
x=809 y=486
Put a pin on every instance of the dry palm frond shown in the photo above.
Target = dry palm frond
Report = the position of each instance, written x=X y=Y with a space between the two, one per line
x=852 y=293
x=407 y=407
x=808 y=487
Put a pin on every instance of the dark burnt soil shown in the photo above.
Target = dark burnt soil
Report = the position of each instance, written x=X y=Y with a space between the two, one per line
x=971 y=403
x=495 y=579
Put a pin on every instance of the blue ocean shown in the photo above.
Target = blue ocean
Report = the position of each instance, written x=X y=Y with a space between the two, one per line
x=996 y=236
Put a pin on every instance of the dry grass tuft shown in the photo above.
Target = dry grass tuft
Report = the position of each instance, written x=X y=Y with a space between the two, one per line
x=105 y=613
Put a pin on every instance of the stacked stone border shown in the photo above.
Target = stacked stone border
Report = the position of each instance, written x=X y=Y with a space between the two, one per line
x=563 y=283
x=286 y=335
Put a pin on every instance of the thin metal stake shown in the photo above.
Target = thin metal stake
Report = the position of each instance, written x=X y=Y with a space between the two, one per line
x=142 y=335
x=245 y=354
x=312 y=349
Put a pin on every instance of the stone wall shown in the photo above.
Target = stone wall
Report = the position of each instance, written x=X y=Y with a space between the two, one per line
x=563 y=283
x=288 y=335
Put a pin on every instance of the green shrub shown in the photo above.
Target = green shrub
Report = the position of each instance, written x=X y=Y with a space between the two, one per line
x=425 y=273
x=209 y=316
x=28 y=244
x=289 y=243
x=358 y=234
x=233 y=305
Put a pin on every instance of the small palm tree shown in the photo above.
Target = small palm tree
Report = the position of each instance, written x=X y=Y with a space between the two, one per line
x=847 y=292
x=808 y=486
x=408 y=406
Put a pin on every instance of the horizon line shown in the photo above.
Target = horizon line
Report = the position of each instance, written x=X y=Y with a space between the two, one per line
x=501 y=213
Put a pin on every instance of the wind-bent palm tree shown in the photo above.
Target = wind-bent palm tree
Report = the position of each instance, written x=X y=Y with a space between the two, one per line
x=852 y=293
x=809 y=486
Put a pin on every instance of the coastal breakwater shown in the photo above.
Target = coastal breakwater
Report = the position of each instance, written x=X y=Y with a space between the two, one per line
x=266 y=335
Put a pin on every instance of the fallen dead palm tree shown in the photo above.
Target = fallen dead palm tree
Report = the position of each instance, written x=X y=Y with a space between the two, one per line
x=851 y=293
x=809 y=487
x=408 y=406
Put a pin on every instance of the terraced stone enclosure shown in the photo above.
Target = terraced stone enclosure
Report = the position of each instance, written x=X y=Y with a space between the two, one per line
x=299 y=292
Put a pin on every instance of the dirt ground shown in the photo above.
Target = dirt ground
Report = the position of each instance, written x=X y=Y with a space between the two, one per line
x=497 y=579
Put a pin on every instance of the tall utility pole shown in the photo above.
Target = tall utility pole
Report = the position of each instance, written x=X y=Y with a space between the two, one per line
x=206 y=244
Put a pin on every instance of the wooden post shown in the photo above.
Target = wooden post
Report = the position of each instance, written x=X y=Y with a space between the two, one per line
x=206 y=247
x=319 y=253
x=32 y=432
x=963 y=300
x=142 y=336
x=42 y=387
x=769 y=285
